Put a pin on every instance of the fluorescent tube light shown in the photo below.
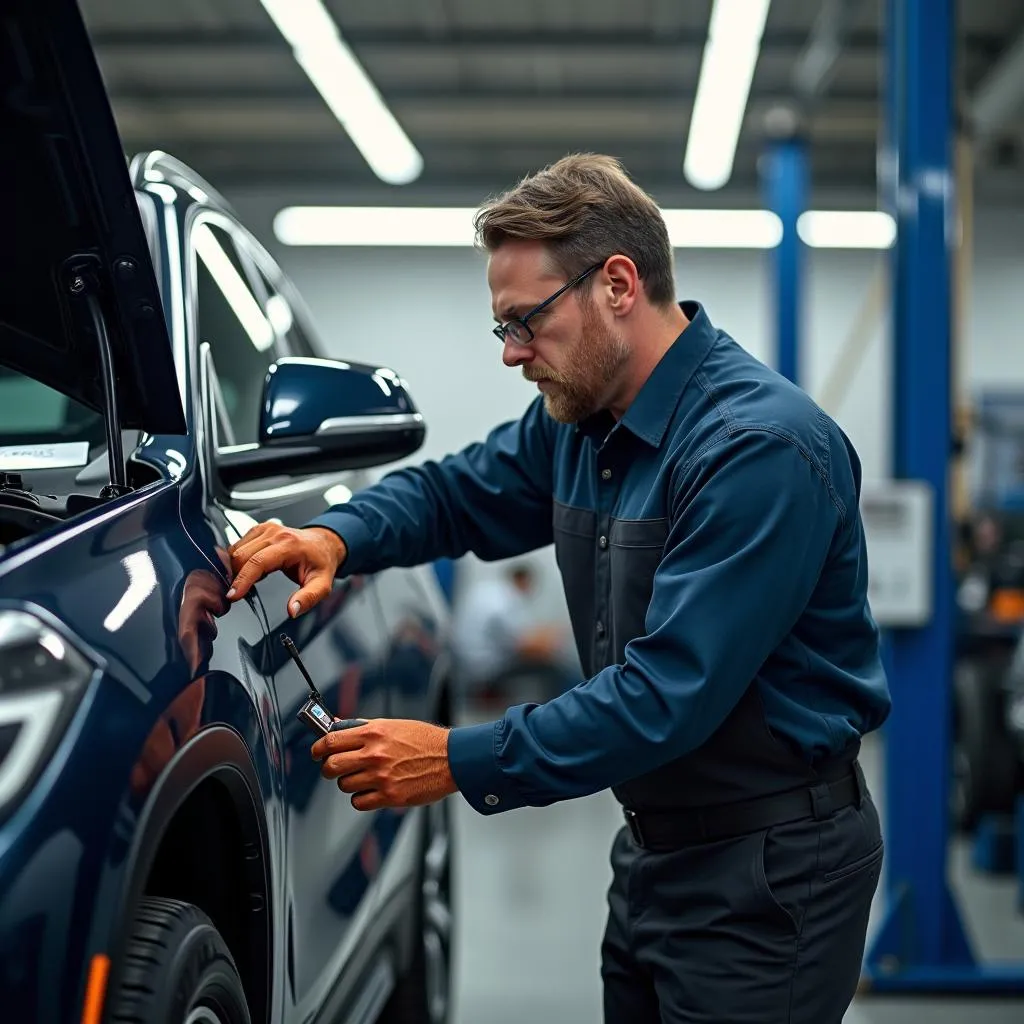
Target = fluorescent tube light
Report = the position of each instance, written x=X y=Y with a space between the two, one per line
x=723 y=229
x=453 y=226
x=386 y=226
x=374 y=225
x=846 y=229
x=727 y=68
x=345 y=87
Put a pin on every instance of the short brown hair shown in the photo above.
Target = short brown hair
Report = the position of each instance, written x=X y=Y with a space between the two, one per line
x=585 y=208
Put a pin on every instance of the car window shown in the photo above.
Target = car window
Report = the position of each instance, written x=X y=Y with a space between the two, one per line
x=285 y=318
x=229 y=317
x=32 y=413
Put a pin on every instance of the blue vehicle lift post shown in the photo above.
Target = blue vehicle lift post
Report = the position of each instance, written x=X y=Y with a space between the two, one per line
x=921 y=945
x=785 y=187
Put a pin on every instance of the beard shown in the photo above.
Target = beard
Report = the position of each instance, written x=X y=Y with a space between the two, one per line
x=592 y=364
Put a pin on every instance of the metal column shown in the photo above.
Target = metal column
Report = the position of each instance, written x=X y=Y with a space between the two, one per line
x=785 y=187
x=921 y=945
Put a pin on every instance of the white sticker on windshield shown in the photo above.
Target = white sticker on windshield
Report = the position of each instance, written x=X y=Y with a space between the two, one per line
x=44 y=456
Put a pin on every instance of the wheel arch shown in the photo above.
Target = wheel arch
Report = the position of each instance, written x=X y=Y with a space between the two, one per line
x=216 y=756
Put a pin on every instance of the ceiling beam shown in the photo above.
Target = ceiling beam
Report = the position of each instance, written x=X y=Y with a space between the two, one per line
x=582 y=39
x=482 y=43
x=500 y=93
x=468 y=183
x=570 y=121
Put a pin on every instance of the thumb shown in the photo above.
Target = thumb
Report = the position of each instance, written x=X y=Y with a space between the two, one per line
x=314 y=589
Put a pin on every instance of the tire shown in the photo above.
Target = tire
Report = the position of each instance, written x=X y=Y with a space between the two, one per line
x=424 y=993
x=177 y=970
x=984 y=762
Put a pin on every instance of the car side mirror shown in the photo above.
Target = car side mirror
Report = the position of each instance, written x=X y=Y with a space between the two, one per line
x=323 y=416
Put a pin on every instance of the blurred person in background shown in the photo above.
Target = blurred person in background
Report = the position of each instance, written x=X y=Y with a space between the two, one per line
x=499 y=647
x=705 y=515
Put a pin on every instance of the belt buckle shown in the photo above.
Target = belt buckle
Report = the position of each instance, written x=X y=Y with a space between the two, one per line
x=633 y=823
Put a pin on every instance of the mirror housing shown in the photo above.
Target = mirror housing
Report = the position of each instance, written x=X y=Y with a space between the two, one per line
x=324 y=416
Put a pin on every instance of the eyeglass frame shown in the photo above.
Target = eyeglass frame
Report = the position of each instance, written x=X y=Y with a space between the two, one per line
x=500 y=330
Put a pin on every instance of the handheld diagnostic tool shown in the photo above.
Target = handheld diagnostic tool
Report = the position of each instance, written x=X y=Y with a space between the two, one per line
x=313 y=713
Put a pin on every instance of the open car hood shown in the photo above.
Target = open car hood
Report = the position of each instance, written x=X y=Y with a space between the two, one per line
x=72 y=228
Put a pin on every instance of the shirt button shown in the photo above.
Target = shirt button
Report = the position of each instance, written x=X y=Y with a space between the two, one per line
x=491 y=800
x=602 y=543
x=600 y=629
x=606 y=474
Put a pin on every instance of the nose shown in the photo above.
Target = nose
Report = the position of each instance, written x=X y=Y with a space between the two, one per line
x=514 y=354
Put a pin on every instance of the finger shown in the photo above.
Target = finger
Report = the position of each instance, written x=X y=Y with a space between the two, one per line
x=262 y=563
x=338 y=765
x=339 y=742
x=249 y=547
x=371 y=801
x=249 y=536
x=357 y=782
x=316 y=586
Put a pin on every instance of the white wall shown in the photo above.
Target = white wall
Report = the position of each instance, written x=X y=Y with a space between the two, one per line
x=426 y=313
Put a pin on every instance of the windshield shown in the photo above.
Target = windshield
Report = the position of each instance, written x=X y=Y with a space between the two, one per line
x=32 y=413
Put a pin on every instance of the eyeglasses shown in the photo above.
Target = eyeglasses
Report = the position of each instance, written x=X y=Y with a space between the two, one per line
x=518 y=329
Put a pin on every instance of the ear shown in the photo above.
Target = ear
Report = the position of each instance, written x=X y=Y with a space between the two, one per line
x=622 y=281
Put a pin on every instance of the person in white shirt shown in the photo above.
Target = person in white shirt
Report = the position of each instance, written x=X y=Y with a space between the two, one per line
x=494 y=635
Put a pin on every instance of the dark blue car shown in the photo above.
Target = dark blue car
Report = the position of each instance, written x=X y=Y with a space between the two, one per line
x=168 y=849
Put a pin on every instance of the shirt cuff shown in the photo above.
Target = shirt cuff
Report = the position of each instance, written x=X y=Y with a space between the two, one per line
x=352 y=530
x=474 y=767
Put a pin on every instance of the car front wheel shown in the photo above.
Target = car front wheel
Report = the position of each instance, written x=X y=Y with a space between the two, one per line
x=177 y=970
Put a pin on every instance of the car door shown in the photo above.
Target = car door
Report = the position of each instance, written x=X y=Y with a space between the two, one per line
x=330 y=848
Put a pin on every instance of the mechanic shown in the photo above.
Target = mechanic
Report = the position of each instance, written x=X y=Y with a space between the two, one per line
x=705 y=518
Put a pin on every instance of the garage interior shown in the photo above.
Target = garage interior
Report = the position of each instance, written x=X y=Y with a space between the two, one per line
x=904 y=121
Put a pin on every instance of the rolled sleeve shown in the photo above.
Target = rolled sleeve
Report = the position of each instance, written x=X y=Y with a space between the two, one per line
x=474 y=766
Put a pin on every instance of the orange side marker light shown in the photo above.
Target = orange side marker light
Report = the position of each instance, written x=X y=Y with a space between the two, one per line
x=96 y=989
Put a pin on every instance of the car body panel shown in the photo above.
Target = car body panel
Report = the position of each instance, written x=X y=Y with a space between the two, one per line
x=119 y=583
x=333 y=850
x=140 y=581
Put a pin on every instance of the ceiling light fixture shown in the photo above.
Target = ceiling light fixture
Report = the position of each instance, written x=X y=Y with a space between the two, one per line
x=345 y=87
x=846 y=229
x=727 y=68
x=723 y=229
x=453 y=226
x=387 y=226
x=374 y=225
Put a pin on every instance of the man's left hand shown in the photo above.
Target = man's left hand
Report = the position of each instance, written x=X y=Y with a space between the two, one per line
x=389 y=762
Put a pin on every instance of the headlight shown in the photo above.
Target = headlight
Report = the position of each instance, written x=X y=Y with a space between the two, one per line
x=41 y=678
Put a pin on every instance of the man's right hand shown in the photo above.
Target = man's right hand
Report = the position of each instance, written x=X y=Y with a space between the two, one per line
x=309 y=557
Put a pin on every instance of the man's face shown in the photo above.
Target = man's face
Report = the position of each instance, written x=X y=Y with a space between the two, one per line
x=575 y=356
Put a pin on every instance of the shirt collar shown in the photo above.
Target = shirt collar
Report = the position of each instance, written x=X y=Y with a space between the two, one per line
x=651 y=411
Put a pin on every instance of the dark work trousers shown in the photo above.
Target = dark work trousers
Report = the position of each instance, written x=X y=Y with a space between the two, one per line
x=767 y=927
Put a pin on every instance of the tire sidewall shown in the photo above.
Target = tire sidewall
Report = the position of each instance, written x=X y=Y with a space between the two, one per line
x=201 y=972
x=176 y=962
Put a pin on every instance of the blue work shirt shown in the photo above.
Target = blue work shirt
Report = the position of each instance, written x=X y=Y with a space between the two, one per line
x=709 y=541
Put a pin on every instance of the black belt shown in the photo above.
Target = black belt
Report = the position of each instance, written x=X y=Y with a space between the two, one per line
x=670 y=829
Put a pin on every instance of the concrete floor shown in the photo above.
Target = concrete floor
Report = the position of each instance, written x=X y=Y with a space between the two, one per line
x=531 y=885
